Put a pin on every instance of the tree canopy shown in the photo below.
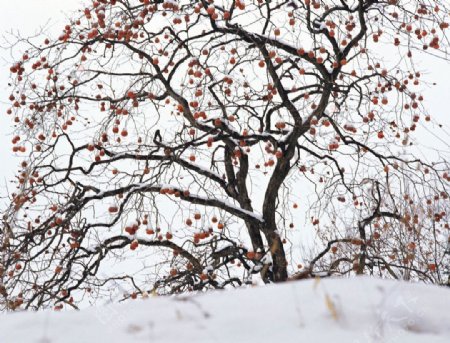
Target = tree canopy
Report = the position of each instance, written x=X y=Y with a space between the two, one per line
x=173 y=146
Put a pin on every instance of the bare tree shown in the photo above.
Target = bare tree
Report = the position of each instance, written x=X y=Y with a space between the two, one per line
x=167 y=145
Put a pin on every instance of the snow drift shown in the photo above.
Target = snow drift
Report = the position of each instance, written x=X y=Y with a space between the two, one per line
x=332 y=310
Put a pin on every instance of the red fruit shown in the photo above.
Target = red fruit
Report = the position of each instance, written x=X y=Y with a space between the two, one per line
x=132 y=229
x=134 y=244
x=411 y=246
x=210 y=10
x=113 y=209
x=380 y=134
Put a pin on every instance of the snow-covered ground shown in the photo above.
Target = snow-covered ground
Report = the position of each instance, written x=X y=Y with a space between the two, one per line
x=334 y=310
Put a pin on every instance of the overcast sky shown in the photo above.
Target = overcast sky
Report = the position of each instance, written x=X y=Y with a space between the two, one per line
x=27 y=16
